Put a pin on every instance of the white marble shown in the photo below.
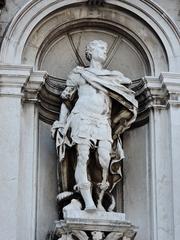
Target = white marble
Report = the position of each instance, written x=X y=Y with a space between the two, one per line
x=33 y=14
x=101 y=225
x=91 y=124
x=18 y=150
x=94 y=217
x=23 y=174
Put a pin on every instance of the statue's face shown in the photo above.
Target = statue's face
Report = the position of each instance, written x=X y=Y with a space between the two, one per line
x=99 y=52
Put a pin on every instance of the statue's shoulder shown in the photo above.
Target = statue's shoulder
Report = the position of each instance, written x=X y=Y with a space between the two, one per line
x=117 y=73
x=74 y=77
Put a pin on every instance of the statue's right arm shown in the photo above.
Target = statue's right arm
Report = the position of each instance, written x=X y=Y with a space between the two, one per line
x=67 y=96
x=58 y=125
x=64 y=112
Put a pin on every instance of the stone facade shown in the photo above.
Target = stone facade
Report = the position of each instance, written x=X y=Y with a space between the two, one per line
x=41 y=42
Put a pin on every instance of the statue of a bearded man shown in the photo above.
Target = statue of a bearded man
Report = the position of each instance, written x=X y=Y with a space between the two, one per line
x=97 y=108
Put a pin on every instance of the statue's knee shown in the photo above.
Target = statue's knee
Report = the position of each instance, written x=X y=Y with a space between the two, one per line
x=104 y=160
x=83 y=151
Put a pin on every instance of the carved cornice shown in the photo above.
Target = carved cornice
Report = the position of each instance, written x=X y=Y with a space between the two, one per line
x=171 y=82
x=158 y=95
x=12 y=79
x=33 y=86
x=21 y=81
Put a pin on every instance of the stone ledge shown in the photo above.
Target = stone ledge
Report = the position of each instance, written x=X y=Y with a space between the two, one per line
x=76 y=221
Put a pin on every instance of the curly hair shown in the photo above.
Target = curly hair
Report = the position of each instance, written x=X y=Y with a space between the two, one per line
x=91 y=46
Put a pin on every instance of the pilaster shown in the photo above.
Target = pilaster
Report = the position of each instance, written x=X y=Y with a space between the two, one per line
x=164 y=153
x=171 y=81
x=18 y=84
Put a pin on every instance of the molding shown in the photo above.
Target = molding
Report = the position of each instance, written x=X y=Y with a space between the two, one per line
x=158 y=97
x=33 y=86
x=171 y=82
x=164 y=91
x=164 y=15
x=21 y=81
x=78 y=223
x=12 y=79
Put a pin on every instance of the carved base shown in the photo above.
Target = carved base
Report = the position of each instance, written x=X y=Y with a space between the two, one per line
x=98 y=225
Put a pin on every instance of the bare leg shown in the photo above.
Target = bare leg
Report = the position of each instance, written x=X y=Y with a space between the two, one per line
x=81 y=176
x=104 y=150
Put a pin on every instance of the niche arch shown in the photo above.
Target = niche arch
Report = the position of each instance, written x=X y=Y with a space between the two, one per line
x=34 y=13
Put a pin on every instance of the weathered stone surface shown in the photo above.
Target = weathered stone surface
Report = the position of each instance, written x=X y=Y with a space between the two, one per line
x=27 y=207
x=93 y=121
x=100 y=226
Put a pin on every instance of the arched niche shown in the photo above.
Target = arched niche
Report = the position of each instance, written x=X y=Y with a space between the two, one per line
x=34 y=14
x=48 y=35
x=148 y=48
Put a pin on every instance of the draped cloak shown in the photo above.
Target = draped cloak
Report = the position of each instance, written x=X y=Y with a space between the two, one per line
x=123 y=114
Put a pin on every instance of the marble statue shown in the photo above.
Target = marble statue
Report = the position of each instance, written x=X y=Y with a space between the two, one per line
x=97 y=107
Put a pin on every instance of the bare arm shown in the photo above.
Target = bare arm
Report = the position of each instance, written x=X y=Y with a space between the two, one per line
x=67 y=94
x=64 y=112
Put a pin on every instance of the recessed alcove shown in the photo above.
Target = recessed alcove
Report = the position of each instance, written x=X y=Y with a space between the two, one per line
x=58 y=57
x=57 y=45
x=51 y=35
x=55 y=42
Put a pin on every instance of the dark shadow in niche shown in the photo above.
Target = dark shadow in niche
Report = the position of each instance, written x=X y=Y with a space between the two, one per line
x=2 y=3
x=96 y=2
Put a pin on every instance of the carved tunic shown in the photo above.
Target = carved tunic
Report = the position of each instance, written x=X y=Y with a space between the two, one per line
x=90 y=118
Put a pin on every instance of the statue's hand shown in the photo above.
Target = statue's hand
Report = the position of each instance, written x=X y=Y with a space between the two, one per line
x=57 y=126
x=68 y=93
x=61 y=130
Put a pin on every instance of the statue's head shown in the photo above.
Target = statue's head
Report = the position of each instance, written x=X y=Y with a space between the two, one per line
x=97 y=50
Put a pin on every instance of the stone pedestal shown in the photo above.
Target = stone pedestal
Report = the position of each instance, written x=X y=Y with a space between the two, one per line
x=96 y=225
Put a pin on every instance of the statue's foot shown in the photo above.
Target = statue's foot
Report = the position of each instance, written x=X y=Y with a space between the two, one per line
x=91 y=208
x=100 y=207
